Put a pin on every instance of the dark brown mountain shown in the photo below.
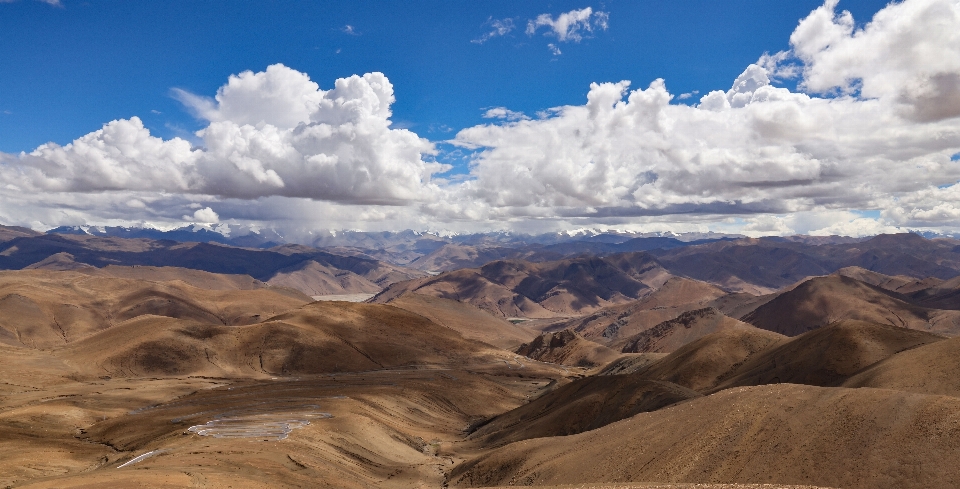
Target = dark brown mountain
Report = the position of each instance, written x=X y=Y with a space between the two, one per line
x=702 y=364
x=772 y=263
x=827 y=356
x=823 y=300
x=540 y=290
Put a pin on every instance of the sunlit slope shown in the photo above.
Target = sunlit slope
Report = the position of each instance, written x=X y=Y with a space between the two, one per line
x=45 y=309
x=786 y=434
x=321 y=337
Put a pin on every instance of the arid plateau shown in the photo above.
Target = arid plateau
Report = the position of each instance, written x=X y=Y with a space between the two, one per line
x=721 y=363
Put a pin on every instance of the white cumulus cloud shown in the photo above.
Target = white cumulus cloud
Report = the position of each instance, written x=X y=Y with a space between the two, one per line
x=871 y=128
x=205 y=215
x=270 y=133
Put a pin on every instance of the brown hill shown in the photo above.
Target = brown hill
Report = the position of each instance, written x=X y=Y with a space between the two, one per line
x=827 y=356
x=44 y=309
x=313 y=279
x=704 y=363
x=783 y=434
x=613 y=325
x=195 y=278
x=823 y=300
x=58 y=261
x=10 y=232
x=887 y=282
x=567 y=348
x=927 y=369
x=678 y=291
x=466 y=319
x=321 y=337
x=515 y=288
x=901 y=284
x=582 y=405
x=689 y=326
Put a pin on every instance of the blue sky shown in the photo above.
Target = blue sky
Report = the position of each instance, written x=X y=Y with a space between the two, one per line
x=69 y=69
x=810 y=116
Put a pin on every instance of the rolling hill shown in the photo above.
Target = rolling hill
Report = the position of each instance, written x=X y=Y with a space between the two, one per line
x=468 y=320
x=45 y=309
x=827 y=356
x=320 y=337
x=702 y=364
x=823 y=300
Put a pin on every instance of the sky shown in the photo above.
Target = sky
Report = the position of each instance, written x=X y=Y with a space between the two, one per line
x=747 y=116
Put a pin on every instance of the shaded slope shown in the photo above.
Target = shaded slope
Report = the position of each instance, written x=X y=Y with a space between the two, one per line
x=582 y=405
x=689 y=326
x=943 y=295
x=567 y=348
x=823 y=300
x=785 y=434
x=829 y=355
